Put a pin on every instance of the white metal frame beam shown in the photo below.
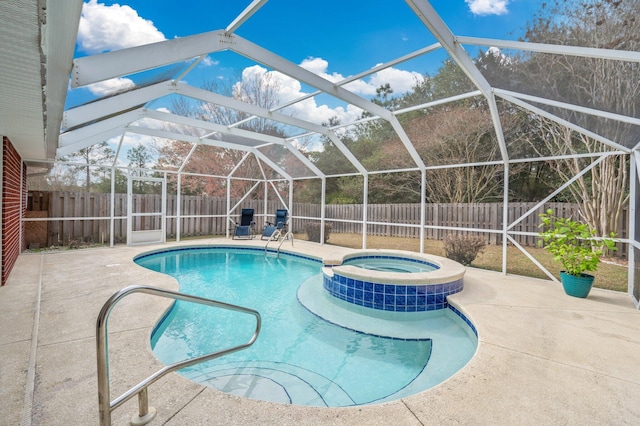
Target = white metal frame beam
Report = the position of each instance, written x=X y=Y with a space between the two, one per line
x=266 y=57
x=363 y=74
x=205 y=141
x=104 y=66
x=246 y=14
x=84 y=137
x=106 y=107
x=588 y=52
x=214 y=98
x=566 y=123
x=443 y=34
x=219 y=128
x=430 y=18
x=113 y=123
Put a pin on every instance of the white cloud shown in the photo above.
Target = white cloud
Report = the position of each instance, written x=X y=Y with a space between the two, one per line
x=209 y=62
x=319 y=66
x=400 y=81
x=309 y=110
x=131 y=140
x=104 y=28
x=110 y=86
x=488 y=7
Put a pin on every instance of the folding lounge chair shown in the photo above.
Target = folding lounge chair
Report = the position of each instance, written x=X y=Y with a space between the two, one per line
x=246 y=229
x=279 y=224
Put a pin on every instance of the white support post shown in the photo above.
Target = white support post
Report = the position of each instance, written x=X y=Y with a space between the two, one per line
x=178 y=206
x=129 y=206
x=505 y=218
x=112 y=209
x=228 y=204
x=423 y=206
x=365 y=208
x=323 y=200
x=163 y=213
x=290 y=207
x=634 y=176
x=265 y=200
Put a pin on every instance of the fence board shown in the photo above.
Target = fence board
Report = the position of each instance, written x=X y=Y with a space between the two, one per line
x=203 y=209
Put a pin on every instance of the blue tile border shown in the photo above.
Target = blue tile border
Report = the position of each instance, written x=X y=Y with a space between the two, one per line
x=391 y=297
x=465 y=319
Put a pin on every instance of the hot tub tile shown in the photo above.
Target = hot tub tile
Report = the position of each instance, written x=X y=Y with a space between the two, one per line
x=395 y=291
x=367 y=296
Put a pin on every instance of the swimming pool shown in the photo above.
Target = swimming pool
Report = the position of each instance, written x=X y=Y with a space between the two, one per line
x=299 y=357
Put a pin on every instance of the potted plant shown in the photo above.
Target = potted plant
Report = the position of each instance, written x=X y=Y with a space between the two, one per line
x=570 y=243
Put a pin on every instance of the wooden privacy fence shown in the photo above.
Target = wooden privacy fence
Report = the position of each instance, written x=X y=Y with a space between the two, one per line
x=388 y=218
x=75 y=217
x=203 y=216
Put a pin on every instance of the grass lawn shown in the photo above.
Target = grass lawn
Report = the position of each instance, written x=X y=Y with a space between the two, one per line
x=609 y=276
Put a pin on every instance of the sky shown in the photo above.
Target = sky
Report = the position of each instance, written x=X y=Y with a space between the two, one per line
x=332 y=38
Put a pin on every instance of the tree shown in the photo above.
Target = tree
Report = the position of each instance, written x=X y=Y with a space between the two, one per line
x=458 y=134
x=602 y=193
x=104 y=184
x=450 y=81
x=258 y=88
x=59 y=178
x=602 y=84
x=95 y=154
x=330 y=160
x=139 y=158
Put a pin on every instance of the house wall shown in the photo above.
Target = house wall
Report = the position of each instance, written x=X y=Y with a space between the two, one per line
x=13 y=242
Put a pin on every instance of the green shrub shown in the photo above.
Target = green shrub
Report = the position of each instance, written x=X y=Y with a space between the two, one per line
x=569 y=242
x=463 y=248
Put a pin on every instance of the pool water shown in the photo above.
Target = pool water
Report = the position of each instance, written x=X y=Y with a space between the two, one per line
x=298 y=358
x=390 y=264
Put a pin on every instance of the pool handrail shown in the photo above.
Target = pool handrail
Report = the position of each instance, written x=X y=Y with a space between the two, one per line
x=145 y=413
x=275 y=237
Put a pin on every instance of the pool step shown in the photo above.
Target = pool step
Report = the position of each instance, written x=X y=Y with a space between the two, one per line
x=272 y=381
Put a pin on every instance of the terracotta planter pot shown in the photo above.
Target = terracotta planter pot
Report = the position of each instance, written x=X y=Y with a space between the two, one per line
x=576 y=286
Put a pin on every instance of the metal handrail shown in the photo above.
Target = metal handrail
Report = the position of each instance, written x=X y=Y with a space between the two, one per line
x=106 y=406
x=274 y=237
x=286 y=237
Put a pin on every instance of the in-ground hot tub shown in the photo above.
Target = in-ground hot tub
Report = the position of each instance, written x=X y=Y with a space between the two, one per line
x=393 y=280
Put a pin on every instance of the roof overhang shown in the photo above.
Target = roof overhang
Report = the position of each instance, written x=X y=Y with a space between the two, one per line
x=37 y=42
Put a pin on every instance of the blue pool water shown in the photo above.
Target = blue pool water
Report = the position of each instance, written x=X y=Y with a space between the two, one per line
x=299 y=358
x=390 y=264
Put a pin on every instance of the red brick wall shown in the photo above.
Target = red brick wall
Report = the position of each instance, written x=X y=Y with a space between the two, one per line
x=13 y=242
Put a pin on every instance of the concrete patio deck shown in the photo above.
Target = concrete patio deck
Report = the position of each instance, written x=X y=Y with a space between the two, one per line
x=543 y=357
